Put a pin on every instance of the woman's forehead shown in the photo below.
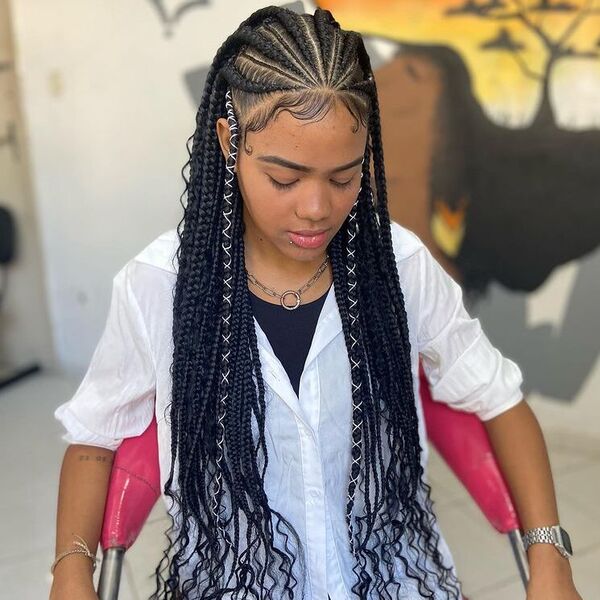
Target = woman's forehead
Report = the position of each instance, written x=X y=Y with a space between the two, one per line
x=336 y=133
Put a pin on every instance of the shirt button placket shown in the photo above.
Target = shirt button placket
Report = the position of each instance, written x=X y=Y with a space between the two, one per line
x=315 y=512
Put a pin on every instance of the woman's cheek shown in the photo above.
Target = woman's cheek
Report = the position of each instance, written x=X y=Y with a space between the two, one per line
x=352 y=195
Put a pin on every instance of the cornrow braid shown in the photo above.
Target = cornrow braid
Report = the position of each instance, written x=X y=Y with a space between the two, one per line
x=225 y=540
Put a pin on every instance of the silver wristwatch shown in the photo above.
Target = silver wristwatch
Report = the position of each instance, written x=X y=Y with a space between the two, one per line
x=555 y=535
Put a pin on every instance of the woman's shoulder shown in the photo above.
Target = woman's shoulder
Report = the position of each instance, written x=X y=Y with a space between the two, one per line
x=147 y=280
x=161 y=253
x=405 y=242
x=152 y=270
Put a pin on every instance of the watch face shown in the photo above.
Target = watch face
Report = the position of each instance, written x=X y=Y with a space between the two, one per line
x=565 y=540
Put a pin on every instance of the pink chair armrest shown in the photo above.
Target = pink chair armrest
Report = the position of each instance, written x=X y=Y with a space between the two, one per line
x=462 y=441
x=133 y=489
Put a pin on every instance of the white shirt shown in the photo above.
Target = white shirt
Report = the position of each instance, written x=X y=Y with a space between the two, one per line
x=308 y=437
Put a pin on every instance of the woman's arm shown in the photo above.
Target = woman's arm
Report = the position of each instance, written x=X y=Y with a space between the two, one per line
x=84 y=481
x=519 y=445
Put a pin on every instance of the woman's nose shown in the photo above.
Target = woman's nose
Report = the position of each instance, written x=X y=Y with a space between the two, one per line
x=315 y=204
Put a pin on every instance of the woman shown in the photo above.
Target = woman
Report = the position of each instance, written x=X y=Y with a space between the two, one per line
x=285 y=386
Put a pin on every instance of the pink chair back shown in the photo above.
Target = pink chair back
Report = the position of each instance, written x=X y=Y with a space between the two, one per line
x=133 y=490
x=462 y=441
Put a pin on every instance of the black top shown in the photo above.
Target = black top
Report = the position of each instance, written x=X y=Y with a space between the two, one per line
x=290 y=332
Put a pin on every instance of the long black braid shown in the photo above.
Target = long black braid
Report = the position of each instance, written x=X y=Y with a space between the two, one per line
x=225 y=539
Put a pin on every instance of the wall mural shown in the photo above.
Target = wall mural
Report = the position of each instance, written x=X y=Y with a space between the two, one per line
x=171 y=11
x=505 y=203
x=491 y=123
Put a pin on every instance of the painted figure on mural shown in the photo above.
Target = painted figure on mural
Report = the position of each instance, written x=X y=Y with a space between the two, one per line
x=506 y=203
x=492 y=158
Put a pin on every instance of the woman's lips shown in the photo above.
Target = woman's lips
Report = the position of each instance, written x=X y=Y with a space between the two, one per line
x=308 y=240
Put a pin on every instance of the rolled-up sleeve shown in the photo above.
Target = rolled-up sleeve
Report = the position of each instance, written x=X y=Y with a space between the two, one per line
x=115 y=399
x=463 y=368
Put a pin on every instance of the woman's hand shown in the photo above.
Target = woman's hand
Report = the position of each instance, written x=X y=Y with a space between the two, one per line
x=559 y=589
x=71 y=590
x=73 y=579
x=550 y=575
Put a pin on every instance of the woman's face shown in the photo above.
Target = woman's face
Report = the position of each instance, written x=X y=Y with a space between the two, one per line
x=298 y=176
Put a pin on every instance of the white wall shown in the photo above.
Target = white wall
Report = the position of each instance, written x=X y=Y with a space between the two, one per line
x=24 y=326
x=108 y=116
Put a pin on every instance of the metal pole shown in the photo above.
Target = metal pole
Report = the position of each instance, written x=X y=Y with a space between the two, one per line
x=516 y=542
x=110 y=574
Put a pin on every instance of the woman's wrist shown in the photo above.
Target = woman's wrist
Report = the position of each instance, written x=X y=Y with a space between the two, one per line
x=74 y=567
x=545 y=559
x=72 y=583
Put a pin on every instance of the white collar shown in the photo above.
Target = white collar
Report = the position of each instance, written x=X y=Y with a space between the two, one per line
x=329 y=325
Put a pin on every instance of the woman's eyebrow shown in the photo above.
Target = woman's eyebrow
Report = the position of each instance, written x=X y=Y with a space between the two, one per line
x=288 y=164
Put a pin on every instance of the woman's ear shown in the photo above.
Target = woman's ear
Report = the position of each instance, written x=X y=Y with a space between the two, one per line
x=223 y=134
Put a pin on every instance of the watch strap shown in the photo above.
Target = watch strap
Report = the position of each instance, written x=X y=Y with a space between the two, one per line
x=539 y=535
x=554 y=535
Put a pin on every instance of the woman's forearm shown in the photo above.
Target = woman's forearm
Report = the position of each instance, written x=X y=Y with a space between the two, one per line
x=84 y=481
x=519 y=446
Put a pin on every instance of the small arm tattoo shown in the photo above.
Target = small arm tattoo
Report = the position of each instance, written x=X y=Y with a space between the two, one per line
x=97 y=459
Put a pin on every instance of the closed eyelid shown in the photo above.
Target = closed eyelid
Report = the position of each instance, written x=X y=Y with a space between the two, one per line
x=342 y=184
x=277 y=180
x=286 y=185
x=282 y=185
x=282 y=172
x=348 y=177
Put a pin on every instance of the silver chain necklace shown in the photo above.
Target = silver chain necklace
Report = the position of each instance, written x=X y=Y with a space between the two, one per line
x=295 y=293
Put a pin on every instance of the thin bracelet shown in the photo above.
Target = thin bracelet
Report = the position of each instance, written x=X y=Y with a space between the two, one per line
x=81 y=549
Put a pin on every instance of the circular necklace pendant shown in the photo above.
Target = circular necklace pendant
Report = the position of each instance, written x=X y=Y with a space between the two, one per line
x=296 y=299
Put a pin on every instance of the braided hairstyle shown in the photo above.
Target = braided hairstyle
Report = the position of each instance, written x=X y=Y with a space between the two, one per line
x=278 y=60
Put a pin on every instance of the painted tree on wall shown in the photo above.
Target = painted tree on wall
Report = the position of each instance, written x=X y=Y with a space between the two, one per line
x=516 y=18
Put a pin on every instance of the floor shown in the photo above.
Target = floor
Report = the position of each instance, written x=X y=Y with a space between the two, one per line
x=30 y=441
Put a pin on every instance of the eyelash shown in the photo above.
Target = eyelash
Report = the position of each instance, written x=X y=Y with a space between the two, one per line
x=287 y=186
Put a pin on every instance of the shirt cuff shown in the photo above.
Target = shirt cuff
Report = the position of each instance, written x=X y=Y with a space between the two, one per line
x=77 y=433
x=482 y=381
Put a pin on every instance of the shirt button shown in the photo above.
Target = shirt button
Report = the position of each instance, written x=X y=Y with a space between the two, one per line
x=316 y=494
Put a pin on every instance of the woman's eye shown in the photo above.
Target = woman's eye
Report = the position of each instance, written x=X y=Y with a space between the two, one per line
x=282 y=186
x=286 y=186
x=342 y=184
